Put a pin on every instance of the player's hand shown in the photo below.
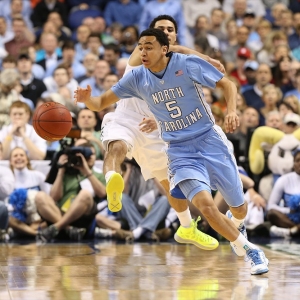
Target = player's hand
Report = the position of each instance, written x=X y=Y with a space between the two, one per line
x=217 y=64
x=82 y=95
x=148 y=125
x=231 y=122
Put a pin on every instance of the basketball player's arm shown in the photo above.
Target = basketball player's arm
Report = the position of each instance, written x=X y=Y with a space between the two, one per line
x=135 y=59
x=230 y=94
x=83 y=95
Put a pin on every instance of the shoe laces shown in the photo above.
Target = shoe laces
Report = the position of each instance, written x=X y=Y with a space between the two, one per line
x=199 y=234
x=254 y=256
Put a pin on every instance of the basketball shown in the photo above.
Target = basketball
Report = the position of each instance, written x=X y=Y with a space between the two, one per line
x=52 y=121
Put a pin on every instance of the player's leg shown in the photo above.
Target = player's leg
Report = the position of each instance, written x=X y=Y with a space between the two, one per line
x=114 y=157
x=188 y=232
x=200 y=195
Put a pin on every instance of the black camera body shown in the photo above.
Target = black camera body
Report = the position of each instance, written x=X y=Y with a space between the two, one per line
x=73 y=159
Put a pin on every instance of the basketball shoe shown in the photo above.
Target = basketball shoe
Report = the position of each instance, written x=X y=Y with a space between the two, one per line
x=192 y=235
x=259 y=262
x=243 y=231
x=114 y=189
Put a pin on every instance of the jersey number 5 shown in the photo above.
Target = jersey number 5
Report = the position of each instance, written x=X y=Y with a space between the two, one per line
x=176 y=111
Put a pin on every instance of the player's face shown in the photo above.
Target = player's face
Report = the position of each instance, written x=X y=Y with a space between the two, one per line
x=151 y=52
x=168 y=28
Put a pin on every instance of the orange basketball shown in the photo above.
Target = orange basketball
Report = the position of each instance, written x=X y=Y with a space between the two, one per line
x=52 y=121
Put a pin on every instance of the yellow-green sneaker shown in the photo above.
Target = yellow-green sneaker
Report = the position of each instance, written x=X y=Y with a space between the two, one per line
x=194 y=236
x=114 y=189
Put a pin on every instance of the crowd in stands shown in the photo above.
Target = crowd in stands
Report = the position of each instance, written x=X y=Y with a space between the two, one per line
x=50 y=47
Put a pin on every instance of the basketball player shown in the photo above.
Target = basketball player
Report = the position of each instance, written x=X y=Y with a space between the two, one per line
x=121 y=137
x=198 y=152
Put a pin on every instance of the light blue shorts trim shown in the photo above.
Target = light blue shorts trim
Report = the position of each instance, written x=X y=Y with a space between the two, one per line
x=209 y=160
x=192 y=187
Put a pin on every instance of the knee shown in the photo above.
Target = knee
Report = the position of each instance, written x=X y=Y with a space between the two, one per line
x=117 y=148
x=206 y=206
x=240 y=211
x=84 y=196
x=40 y=198
x=272 y=214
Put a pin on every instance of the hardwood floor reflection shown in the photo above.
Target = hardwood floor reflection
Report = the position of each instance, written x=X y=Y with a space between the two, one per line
x=140 y=271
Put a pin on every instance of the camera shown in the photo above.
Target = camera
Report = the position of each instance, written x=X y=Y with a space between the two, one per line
x=73 y=159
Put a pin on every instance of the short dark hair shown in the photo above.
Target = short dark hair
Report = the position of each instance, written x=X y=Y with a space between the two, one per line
x=95 y=35
x=161 y=37
x=164 y=17
x=111 y=46
x=68 y=44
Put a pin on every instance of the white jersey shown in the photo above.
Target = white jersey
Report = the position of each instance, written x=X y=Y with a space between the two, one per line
x=133 y=104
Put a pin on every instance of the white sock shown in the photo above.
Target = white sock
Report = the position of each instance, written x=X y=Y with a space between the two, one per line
x=242 y=244
x=237 y=222
x=108 y=175
x=137 y=232
x=185 y=218
x=294 y=230
x=171 y=217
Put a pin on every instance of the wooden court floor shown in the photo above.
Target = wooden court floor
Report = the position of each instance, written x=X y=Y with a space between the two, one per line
x=166 y=271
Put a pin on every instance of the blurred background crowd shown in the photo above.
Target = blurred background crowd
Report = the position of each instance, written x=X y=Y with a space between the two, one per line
x=49 y=47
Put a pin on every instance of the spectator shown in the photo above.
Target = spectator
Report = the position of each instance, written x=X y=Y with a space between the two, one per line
x=231 y=31
x=7 y=183
x=22 y=38
x=216 y=24
x=9 y=62
x=237 y=8
x=240 y=103
x=112 y=53
x=285 y=108
x=56 y=19
x=68 y=57
x=274 y=120
x=248 y=120
x=95 y=45
x=37 y=70
x=293 y=101
x=271 y=96
x=201 y=28
x=294 y=39
x=16 y=11
x=89 y=62
x=81 y=47
x=155 y=8
x=253 y=95
x=243 y=54
x=207 y=93
x=31 y=191
x=44 y=8
x=21 y=134
x=285 y=219
x=230 y=54
x=49 y=55
x=276 y=13
x=281 y=74
x=76 y=189
x=121 y=66
x=129 y=40
x=124 y=12
x=5 y=35
x=287 y=22
x=8 y=80
x=32 y=88
x=96 y=82
x=250 y=68
x=296 y=90
x=87 y=122
x=50 y=27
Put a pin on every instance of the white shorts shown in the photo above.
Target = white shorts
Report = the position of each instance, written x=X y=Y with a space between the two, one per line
x=146 y=148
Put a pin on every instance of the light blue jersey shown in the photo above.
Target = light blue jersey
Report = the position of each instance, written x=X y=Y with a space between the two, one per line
x=176 y=99
x=198 y=149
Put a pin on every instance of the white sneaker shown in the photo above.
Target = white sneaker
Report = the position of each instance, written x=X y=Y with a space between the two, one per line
x=102 y=233
x=259 y=262
x=280 y=232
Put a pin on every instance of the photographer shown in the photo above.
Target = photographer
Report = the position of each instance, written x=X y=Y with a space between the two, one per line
x=75 y=189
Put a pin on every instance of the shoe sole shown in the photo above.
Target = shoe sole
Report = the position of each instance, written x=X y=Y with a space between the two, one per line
x=114 y=189
x=260 y=272
x=180 y=240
